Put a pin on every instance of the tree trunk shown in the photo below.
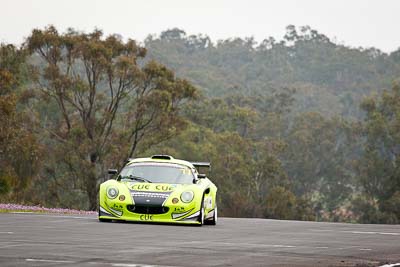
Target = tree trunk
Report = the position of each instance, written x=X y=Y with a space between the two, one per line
x=91 y=183
x=91 y=190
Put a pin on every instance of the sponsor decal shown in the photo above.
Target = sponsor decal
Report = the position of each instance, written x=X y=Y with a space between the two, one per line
x=141 y=187
x=117 y=206
x=186 y=171
x=149 y=187
x=119 y=213
x=146 y=217
x=165 y=187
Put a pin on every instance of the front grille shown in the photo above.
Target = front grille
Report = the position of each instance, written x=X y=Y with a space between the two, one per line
x=147 y=209
x=145 y=199
x=149 y=194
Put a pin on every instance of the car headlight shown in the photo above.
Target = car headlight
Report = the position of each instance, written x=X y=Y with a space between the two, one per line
x=112 y=192
x=187 y=196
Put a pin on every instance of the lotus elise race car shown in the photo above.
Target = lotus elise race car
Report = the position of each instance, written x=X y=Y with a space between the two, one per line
x=159 y=189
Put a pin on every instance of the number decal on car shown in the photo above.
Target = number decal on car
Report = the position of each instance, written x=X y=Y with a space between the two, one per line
x=208 y=202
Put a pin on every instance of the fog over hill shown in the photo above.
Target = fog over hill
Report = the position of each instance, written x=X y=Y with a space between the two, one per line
x=328 y=77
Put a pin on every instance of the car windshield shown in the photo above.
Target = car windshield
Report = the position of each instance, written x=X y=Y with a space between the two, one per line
x=158 y=173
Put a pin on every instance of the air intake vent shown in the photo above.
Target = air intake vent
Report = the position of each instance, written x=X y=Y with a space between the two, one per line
x=168 y=157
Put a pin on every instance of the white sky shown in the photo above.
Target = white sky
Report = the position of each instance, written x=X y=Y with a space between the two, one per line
x=354 y=23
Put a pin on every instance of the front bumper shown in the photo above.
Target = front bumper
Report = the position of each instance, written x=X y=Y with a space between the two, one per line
x=175 y=214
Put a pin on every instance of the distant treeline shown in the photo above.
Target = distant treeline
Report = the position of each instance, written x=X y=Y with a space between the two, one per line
x=299 y=128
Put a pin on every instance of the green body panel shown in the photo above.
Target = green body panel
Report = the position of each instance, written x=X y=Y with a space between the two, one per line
x=186 y=213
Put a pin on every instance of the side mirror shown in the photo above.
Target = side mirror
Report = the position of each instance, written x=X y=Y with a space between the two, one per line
x=112 y=171
x=201 y=176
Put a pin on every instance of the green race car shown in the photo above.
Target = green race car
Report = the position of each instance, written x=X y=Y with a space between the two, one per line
x=159 y=189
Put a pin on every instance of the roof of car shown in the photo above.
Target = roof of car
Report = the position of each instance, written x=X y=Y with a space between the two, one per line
x=161 y=159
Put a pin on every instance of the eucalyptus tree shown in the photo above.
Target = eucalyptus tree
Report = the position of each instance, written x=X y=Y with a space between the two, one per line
x=110 y=100
x=19 y=150
x=379 y=171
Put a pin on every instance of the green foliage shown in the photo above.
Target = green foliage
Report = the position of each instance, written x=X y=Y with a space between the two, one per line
x=281 y=204
x=12 y=71
x=19 y=150
x=379 y=171
x=107 y=101
x=331 y=78
x=317 y=158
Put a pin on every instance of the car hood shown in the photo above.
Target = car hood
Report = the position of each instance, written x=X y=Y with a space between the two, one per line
x=154 y=194
x=156 y=187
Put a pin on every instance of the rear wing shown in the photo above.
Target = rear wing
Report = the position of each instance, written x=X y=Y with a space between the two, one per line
x=199 y=165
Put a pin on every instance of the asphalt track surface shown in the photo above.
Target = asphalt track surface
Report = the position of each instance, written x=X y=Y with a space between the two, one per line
x=60 y=240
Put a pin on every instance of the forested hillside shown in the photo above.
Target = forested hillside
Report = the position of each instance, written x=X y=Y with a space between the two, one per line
x=329 y=78
x=299 y=128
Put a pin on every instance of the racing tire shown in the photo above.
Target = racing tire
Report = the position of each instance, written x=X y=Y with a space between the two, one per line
x=201 y=215
x=214 y=219
x=103 y=220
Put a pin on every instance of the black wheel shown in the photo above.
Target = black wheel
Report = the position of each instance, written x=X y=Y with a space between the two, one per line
x=201 y=215
x=214 y=219
x=103 y=220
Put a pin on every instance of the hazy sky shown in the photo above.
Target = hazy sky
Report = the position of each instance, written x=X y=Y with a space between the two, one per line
x=355 y=23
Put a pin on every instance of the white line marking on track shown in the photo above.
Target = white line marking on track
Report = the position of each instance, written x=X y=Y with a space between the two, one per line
x=52 y=261
x=96 y=263
x=244 y=244
x=283 y=246
x=129 y=265
x=371 y=233
x=260 y=245
x=389 y=233
x=57 y=221
x=349 y=247
x=135 y=265
x=7 y=233
x=90 y=217
x=391 y=265
x=228 y=244
x=10 y=246
x=356 y=232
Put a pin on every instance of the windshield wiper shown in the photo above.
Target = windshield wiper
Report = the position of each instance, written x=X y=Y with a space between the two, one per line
x=137 y=178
